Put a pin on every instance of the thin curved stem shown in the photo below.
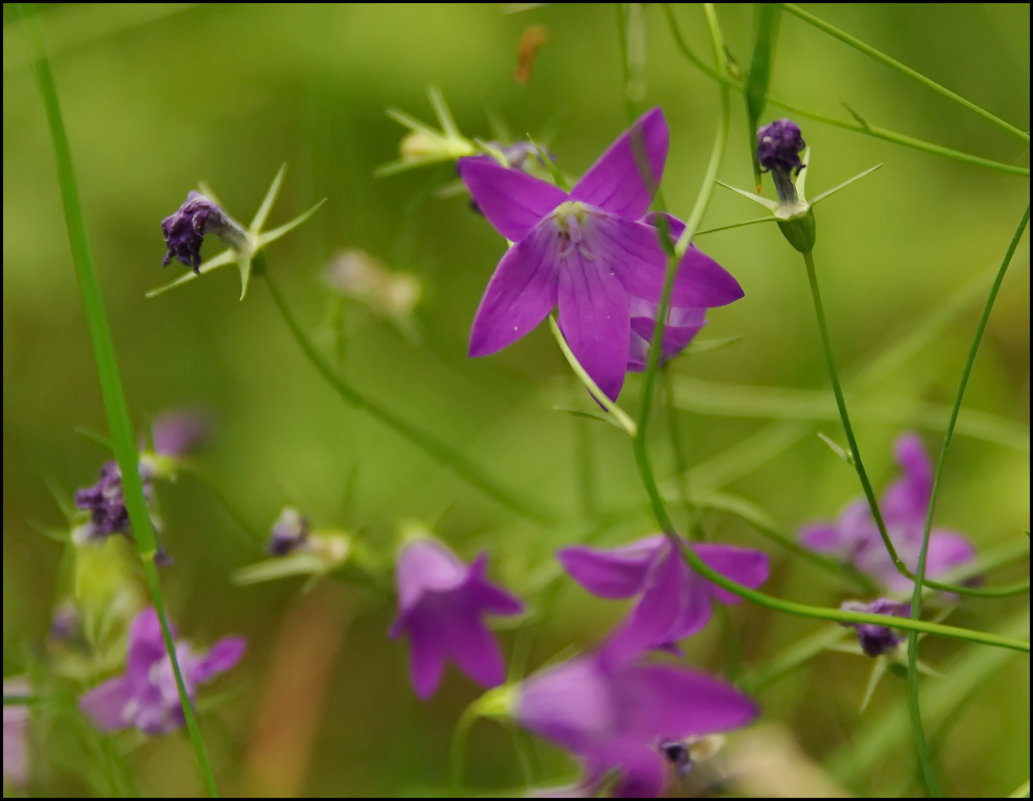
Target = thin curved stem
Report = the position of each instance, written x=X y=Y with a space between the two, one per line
x=892 y=63
x=862 y=127
x=914 y=705
x=115 y=407
x=440 y=451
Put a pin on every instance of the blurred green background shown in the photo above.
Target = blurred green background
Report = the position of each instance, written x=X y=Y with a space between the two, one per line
x=157 y=97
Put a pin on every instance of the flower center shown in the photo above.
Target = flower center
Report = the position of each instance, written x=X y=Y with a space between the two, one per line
x=570 y=219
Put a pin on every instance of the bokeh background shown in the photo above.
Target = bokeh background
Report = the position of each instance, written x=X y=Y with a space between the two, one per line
x=157 y=97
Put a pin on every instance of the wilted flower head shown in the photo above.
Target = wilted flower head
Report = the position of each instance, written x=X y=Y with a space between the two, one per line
x=874 y=639
x=289 y=532
x=585 y=251
x=779 y=146
x=614 y=714
x=145 y=696
x=441 y=603
x=106 y=503
x=16 y=735
x=854 y=538
x=674 y=601
x=185 y=230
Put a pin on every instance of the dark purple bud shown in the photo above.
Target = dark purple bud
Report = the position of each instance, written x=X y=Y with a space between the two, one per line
x=677 y=754
x=290 y=531
x=185 y=230
x=779 y=145
x=876 y=640
x=106 y=503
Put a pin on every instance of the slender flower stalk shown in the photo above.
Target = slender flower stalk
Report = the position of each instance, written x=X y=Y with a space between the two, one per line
x=107 y=368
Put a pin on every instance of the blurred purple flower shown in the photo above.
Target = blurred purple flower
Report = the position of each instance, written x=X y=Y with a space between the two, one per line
x=290 y=531
x=586 y=252
x=614 y=714
x=106 y=503
x=185 y=230
x=145 y=696
x=876 y=640
x=675 y=601
x=441 y=604
x=16 y=735
x=177 y=433
x=854 y=538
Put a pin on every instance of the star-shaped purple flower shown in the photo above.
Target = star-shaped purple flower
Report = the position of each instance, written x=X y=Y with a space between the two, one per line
x=614 y=714
x=675 y=601
x=585 y=251
x=854 y=538
x=145 y=696
x=441 y=603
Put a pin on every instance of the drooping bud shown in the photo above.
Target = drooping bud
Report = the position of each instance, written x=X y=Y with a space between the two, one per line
x=290 y=531
x=185 y=230
x=877 y=640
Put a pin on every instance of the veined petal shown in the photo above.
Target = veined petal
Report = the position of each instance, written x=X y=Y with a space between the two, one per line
x=513 y=201
x=105 y=704
x=594 y=317
x=642 y=264
x=520 y=294
x=662 y=700
x=743 y=565
x=625 y=178
x=613 y=573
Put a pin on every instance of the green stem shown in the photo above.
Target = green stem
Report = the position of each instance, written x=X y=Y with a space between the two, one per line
x=656 y=500
x=695 y=523
x=457 y=749
x=865 y=128
x=914 y=705
x=115 y=407
x=892 y=63
x=440 y=451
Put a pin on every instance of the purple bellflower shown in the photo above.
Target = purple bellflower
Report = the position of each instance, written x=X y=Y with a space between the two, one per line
x=145 y=696
x=441 y=602
x=586 y=252
x=616 y=714
x=854 y=537
x=876 y=640
x=184 y=231
x=674 y=601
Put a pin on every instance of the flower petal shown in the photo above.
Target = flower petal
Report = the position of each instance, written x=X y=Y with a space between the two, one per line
x=425 y=565
x=105 y=704
x=642 y=264
x=474 y=650
x=947 y=550
x=625 y=178
x=822 y=537
x=146 y=645
x=642 y=770
x=594 y=319
x=570 y=704
x=222 y=656
x=665 y=701
x=513 y=201
x=612 y=573
x=743 y=565
x=520 y=294
x=653 y=621
x=426 y=658
x=907 y=499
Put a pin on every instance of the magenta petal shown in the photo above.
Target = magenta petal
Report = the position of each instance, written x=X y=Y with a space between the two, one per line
x=680 y=702
x=625 y=178
x=426 y=658
x=947 y=550
x=907 y=499
x=105 y=704
x=614 y=573
x=146 y=645
x=570 y=704
x=743 y=565
x=475 y=651
x=653 y=620
x=642 y=770
x=513 y=201
x=520 y=294
x=221 y=657
x=821 y=537
x=594 y=320
x=424 y=566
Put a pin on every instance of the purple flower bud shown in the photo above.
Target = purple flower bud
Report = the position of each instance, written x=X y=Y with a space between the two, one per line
x=176 y=433
x=107 y=504
x=779 y=145
x=289 y=532
x=677 y=753
x=185 y=230
x=518 y=153
x=875 y=639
